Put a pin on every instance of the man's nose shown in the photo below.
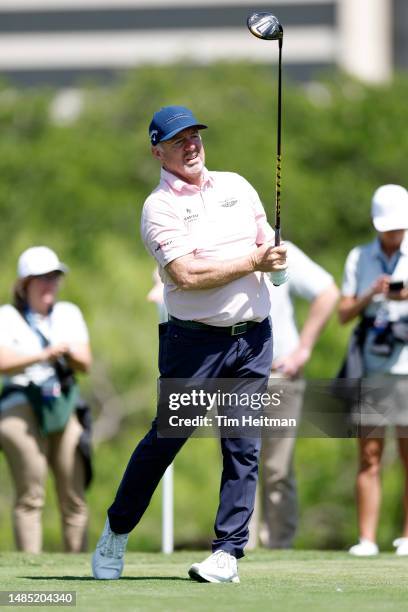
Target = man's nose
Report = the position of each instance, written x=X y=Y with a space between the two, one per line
x=190 y=143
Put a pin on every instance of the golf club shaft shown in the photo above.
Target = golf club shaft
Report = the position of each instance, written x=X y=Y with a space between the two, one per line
x=279 y=153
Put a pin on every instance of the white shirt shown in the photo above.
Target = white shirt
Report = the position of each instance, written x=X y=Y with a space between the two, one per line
x=363 y=266
x=221 y=220
x=307 y=280
x=65 y=324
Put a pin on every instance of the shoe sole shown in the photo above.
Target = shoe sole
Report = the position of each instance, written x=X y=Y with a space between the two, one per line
x=195 y=575
x=95 y=571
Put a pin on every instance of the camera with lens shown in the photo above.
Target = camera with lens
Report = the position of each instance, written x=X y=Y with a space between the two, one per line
x=64 y=372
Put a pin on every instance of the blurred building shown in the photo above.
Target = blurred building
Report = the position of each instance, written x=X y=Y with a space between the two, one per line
x=57 y=41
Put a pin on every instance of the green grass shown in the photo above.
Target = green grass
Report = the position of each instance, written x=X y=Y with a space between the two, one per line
x=281 y=581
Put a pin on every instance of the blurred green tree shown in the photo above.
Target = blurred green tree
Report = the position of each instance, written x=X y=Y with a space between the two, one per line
x=80 y=187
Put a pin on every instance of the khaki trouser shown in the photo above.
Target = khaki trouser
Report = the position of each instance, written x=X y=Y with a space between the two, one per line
x=28 y=454
x=275 y=515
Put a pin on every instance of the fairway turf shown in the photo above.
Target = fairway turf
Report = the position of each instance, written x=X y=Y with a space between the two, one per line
x=270 y=580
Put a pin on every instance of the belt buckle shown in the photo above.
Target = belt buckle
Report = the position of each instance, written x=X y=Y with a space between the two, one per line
x=238 y=329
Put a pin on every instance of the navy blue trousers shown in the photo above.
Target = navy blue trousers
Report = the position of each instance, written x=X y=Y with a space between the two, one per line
x=188 y=353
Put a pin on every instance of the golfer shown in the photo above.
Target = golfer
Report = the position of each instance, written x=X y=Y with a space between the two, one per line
x=380 y=345
x=209 y=234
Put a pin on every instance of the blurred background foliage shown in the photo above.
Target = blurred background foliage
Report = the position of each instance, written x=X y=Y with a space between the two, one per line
x=79 y=188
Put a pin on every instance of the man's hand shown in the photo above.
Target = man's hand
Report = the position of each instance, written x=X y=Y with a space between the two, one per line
x=380 y=285
x=78 y=357
x=269 y=258
x=53 y=352
x=398 y=296
x=352 y=306
x=291 y=364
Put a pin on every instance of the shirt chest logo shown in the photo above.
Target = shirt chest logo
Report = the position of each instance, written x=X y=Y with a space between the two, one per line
x=228 y=202
x=189 y=216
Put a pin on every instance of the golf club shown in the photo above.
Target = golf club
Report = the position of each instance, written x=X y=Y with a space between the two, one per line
x=267 y=27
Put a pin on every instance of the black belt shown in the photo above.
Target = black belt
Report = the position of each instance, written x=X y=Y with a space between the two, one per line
x=232 y=330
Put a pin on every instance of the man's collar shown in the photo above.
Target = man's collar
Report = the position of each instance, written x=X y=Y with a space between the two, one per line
x=178 y=184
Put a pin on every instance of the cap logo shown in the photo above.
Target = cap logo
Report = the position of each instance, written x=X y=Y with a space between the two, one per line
x=154 y=136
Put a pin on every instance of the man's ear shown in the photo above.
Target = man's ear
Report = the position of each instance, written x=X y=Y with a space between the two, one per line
x=156 y=152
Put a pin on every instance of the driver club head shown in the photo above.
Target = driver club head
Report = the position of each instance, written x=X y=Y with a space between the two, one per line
x=265 y=25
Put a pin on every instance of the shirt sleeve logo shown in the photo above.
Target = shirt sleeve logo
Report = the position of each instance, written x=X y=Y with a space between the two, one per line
x=162 y=245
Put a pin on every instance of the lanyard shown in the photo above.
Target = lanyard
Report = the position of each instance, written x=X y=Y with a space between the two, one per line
x=386 y=268
x=29 y=317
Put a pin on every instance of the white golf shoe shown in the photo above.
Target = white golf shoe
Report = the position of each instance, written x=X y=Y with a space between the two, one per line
x=401 y=545
x=365 y=548
x=107 y=560
x=218 y=567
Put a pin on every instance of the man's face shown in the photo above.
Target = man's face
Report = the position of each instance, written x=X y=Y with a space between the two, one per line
x=392 y=240
x=183 y=155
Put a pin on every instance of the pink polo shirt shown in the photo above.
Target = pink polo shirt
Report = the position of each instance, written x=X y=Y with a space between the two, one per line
x=221 y=220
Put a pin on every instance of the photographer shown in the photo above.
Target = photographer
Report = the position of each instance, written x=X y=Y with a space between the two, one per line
x=375 y=289
x=42 y=343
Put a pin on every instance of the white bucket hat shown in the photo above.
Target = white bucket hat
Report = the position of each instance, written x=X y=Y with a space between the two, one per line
x=39 y=260
x=389 y=208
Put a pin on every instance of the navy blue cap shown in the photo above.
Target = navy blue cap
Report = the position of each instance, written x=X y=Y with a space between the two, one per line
x=170 y=120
